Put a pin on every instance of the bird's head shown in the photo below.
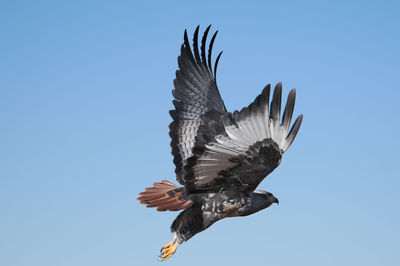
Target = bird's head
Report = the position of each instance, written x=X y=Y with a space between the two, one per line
x=265 y=196
x=260 y=200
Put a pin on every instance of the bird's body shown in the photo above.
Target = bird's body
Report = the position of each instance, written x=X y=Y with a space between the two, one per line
x=220 y=157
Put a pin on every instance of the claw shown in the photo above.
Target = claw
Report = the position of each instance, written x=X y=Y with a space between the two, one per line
x=169 y=249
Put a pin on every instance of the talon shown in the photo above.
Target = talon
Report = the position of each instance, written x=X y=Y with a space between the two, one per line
x=167 y=245
x=169 y=249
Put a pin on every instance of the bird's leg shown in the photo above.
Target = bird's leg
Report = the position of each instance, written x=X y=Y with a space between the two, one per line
x=169 y=249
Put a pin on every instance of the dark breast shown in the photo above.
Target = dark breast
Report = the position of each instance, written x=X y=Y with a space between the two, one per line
x=225 y=206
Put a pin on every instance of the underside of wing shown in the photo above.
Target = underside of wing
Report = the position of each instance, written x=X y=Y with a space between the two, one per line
x=245 y=146
x=195 y=94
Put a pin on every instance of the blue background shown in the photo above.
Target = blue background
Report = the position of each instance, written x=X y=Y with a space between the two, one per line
x=85 y=90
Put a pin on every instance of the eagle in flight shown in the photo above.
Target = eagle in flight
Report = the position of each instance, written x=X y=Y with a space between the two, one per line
x=220 y=157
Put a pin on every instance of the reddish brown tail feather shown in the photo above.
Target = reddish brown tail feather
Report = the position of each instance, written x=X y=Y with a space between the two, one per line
x=165 y=196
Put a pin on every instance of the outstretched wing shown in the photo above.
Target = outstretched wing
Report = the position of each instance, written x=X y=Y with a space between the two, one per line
x=195 y=94
x=240 y=149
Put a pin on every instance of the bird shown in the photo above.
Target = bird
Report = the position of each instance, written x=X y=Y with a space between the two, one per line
x=220 y=157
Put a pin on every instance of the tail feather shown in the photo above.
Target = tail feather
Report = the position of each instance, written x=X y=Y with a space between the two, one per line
x=165 y=196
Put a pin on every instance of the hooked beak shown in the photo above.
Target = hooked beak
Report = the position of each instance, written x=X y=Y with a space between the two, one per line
x=276 y=201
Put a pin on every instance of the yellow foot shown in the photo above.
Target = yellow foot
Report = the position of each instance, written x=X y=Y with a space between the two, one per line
x=169 y=249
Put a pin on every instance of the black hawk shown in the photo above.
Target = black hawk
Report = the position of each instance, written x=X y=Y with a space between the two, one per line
x=220 y=157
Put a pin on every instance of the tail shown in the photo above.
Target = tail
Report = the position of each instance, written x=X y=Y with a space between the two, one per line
x=165 y=196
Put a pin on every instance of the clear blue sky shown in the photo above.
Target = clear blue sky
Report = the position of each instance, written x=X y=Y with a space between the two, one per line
x=85 y=90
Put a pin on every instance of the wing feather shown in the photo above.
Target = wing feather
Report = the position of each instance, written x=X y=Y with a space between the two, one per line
x=246 y=145
x=195 y=94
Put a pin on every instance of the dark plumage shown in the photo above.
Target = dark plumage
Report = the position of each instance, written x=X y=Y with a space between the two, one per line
x=220 y=157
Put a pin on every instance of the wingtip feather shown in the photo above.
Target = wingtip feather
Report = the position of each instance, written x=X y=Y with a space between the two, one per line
x=196 y=44
x=293 y=132
x=276 y=102
x=216 y=65
x=210 y=49
x=289 y=108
